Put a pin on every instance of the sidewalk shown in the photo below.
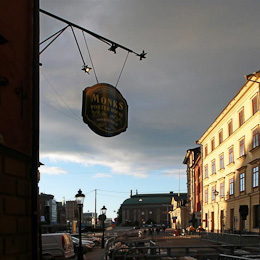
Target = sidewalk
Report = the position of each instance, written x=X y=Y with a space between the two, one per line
x=97 y=253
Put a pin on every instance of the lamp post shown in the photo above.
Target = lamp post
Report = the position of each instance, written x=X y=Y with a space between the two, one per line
x=216 y=194
x=103 y=212
x=80 y=200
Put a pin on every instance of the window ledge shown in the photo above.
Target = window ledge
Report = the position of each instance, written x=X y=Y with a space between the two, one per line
x=222 y=169
x=241 y=158
x=231 y=164
x=255 y=149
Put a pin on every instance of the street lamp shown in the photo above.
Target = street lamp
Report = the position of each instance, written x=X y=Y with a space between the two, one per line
x=216 y=194
x=103 y=212
x=80 y=200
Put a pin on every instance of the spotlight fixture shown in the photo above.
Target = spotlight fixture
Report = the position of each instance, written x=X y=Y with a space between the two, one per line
x=86 y=68
x=142 y=55
x=113 y=47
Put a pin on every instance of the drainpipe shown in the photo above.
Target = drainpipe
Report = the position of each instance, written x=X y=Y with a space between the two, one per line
x=35 y=130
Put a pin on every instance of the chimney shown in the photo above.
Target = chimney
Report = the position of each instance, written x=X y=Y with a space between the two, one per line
x=131 y=193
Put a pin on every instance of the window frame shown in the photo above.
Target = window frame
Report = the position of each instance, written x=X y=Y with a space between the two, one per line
x=220 y=137
x=206 y=150
x=206 y=169
x=213 y=189
x=231 y=159
x=242 y=182
x=255 y=176
x=242 y=151
x=221 y=190
x=221 y=161
x=231 y=186
x=255 y=104
x=206 y=196
x=241 y=117
x=255 y=136
x=212 y=143
x=230 y=127
x=213 y=166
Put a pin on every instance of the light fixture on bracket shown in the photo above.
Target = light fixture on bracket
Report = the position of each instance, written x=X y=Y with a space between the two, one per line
x=142 y=55
x=113 y=47
x=86 y=68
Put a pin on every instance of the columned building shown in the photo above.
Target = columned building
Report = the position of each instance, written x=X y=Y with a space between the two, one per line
x=231 y=160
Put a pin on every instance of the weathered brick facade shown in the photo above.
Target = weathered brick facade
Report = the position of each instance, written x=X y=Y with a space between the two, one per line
x=17 y=84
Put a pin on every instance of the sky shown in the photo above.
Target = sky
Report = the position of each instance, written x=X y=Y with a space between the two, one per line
x=197 y=55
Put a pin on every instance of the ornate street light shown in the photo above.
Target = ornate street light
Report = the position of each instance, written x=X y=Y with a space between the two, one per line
x=80 y=200
x=103 y=212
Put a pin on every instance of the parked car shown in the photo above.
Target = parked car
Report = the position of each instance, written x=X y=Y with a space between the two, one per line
x=86 y=246
x=88 y=238
x=58 y=245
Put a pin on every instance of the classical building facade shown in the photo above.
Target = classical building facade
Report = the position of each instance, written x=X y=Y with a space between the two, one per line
x=231 y=156
x=143 y=208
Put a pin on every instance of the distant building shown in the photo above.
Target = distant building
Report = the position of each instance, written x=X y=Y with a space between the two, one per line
x=143 y=208
x=48 y=209
x=179 y=215
x=61 y=213
x=71 y=210
x=194 y=185
x=89 y=218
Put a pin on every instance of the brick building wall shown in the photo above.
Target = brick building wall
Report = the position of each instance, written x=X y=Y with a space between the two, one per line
x=16 y=131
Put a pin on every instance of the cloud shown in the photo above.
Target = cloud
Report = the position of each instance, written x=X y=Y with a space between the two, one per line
x=174 y=173
x=52 y=170
x=197 y=54
x=102 y=175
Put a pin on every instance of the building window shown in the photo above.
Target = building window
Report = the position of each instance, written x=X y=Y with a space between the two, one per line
x=206 y=196
x=231 y=155
x=242 y=147
x=220 y=136
x=212 y=143
x=213 y=167
x=242 y=181
x=206 y=150
x=230 y=128
x=222 y=190
x=254 y=104
x=241 y=117
x=213 y=193
x=206 y=219
x=221 y=161
x=255 y=176
x=206 y=171
x=255 y=138
x=256 y=216
x=231 y=187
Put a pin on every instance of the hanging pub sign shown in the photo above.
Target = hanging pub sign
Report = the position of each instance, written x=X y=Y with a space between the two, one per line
x=104 y=110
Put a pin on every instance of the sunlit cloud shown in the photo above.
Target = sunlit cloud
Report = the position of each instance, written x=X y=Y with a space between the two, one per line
x=52 y=170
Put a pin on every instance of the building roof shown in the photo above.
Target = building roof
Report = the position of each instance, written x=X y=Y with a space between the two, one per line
x=145 y=199
x=196 y=151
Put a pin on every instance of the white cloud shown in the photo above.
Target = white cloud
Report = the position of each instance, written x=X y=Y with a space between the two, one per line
x=52 y=170
x=102 y=175
x=174 y=173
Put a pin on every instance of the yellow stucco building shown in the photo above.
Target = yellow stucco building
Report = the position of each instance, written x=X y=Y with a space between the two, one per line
x=231 y=160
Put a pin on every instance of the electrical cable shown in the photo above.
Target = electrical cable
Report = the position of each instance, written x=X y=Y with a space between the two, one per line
x=122 y=69
x=92 y=64
x=59 y=96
